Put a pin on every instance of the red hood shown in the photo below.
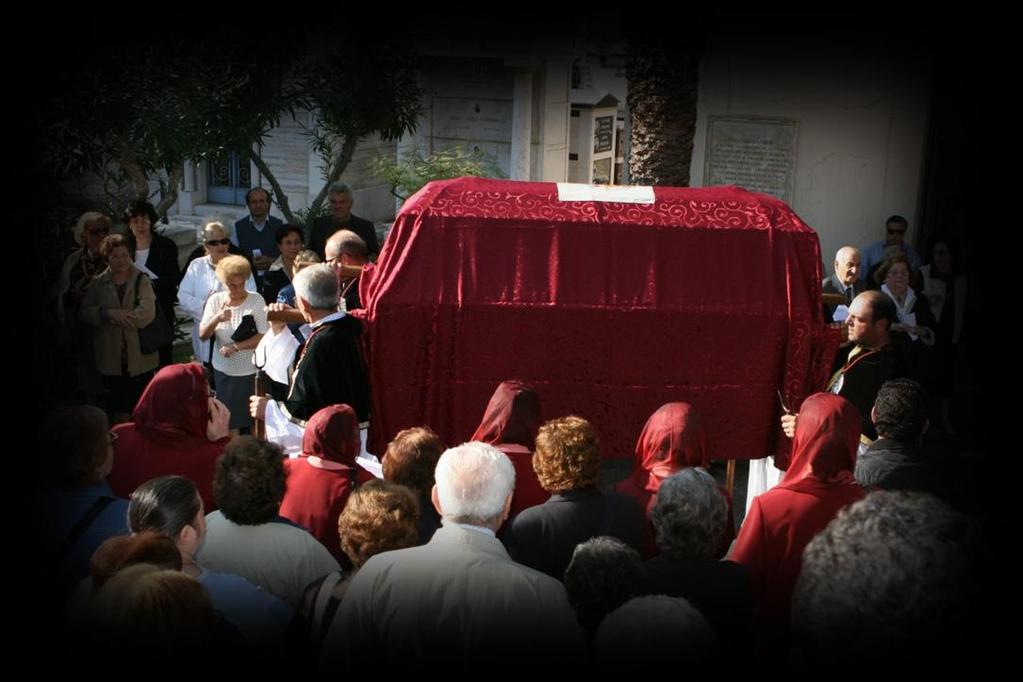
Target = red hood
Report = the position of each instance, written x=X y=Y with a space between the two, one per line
x=512 y=416
x=174 y=404
x=824 y=447
x=333 y=434
x=672 y=439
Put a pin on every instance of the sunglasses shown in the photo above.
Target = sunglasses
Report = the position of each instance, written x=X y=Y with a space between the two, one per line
x=99 y=230
x=218 y=242
x=891 y=231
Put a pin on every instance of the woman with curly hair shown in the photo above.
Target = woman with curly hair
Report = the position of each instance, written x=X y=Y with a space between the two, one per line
x=567 y=462
x=247 y=536
x=690 y=517
x=379 y=517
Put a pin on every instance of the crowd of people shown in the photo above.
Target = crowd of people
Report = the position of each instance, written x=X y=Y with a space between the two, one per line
x=162 y=525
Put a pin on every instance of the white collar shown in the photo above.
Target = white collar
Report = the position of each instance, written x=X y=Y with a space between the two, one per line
x=478 y=529
x=906 y=307
x=329 y=318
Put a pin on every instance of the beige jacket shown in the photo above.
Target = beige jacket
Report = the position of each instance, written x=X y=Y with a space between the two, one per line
x=102 y=295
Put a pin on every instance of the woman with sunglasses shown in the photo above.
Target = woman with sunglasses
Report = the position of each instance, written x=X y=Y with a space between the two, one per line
x=200 y=282
x=80 y=267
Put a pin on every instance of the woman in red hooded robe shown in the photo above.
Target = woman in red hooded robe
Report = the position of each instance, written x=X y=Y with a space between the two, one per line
x=177 y=428
x=672 y=440
x=510 y=423
x=324 y=475
x=782 y=521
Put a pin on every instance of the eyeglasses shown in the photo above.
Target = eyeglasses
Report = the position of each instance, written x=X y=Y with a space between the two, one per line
x=99 y=230
x=217 y=242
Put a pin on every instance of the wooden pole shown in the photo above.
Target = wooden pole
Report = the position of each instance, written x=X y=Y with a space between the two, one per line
x=258 y=427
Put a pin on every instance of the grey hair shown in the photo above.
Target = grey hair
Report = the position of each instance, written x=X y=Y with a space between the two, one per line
x=214 y=226
x=473 y=482
x=317 y=284
x=340 y=188
x=891 y=578
x=689 y=515
x=838 y=254
x=78 y=231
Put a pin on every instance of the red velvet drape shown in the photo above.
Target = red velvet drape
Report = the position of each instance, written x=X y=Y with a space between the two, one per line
x=609 y=310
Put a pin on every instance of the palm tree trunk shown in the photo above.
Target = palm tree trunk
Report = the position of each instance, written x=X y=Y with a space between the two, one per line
x=662 y=91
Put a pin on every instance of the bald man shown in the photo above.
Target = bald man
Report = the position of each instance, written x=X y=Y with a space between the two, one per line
x=844 y=280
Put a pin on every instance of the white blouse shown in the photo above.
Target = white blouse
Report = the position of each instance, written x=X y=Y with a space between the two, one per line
x=200 y=281
x=239 y=364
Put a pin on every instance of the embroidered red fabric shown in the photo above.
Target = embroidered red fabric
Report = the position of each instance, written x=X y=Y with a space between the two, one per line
x=608 y=310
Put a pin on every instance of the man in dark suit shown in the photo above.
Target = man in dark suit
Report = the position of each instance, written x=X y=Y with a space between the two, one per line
x=844 y=280
x=254 y=234
x=326 y=370
x=341 y=199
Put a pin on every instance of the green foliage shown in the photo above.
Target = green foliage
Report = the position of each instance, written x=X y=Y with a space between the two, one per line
x=354 y=93
x=415 y=170
x=132 y=114
x=306 y=216
x=360 y=92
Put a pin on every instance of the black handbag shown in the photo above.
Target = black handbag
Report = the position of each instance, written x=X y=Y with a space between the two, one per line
x=246 y=329
x=157 y=333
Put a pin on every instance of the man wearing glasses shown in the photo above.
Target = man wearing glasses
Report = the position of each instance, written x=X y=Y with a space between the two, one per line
x=895 y=234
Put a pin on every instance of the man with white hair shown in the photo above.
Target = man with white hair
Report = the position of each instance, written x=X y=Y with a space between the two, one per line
x=341 y=198
x=326 y=370
x=460 y=598
x=843 y=281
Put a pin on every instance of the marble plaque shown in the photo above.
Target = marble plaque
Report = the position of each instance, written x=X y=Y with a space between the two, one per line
x=758 y=154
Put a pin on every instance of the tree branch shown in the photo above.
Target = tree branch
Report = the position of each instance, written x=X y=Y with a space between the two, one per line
x=133 y=170
x=171 y=193
x=338 y=167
